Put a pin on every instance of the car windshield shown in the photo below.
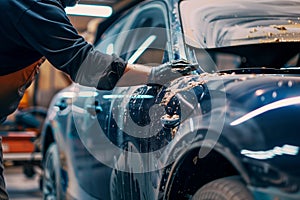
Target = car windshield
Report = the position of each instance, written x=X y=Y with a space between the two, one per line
x=244 y=33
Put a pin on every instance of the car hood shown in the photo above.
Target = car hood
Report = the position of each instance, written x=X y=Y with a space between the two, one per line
x=248 y=91
x=255 y=91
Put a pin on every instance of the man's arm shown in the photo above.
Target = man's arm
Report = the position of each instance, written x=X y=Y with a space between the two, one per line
x=135 y=74
x=45 y=26
x=47 y=30
x=52 y=35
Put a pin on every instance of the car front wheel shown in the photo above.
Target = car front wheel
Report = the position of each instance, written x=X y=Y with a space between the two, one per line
x=229 y=188
x=51 y=177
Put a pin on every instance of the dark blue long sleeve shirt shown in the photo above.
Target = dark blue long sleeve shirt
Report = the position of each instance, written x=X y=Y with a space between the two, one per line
x=30 y=29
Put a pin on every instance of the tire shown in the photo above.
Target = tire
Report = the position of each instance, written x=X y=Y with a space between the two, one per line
x=229 y=188
x=52 y=189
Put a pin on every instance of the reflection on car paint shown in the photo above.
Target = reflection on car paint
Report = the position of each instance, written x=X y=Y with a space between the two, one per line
x=276 y=151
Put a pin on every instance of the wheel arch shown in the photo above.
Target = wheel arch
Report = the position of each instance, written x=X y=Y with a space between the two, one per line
x=189 y=172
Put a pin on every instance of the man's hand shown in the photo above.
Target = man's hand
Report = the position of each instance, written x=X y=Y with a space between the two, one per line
x=167 y=72
x=136 y=74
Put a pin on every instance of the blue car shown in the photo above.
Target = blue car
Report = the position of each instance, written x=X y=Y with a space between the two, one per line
x=228 y=128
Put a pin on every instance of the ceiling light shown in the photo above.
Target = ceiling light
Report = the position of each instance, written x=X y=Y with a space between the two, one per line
x=89 y=10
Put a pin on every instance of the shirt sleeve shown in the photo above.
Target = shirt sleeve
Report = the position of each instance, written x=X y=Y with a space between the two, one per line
x=47 y=29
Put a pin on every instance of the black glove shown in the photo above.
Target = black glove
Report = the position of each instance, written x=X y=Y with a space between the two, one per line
x=169 y=71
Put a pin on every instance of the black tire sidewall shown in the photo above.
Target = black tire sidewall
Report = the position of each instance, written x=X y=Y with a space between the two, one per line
x=52 y=153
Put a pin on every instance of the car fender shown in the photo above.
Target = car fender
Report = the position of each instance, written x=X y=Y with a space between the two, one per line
x=196 y=138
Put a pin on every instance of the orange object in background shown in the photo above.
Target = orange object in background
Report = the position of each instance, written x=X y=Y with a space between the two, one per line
x=24 y=103
x=19 y=142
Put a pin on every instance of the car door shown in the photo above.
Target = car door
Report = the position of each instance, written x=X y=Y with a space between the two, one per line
x=139 y=36
x=134 y=120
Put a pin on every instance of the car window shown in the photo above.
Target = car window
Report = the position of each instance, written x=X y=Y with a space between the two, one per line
x=146 y=43
x=109 y=39
x=140 y=36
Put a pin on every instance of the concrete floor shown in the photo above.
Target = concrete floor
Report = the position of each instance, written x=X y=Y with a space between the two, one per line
x=20 y=187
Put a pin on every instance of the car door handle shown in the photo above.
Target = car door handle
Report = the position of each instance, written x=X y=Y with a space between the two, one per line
x=62 y=104
x=94 y=109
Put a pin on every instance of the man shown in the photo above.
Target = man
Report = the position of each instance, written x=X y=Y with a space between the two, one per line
x=31 y=30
